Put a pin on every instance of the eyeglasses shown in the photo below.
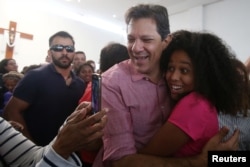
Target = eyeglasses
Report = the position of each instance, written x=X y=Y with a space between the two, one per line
x=59 y=48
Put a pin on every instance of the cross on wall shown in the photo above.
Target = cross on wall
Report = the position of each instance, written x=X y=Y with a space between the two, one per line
x=12 y=34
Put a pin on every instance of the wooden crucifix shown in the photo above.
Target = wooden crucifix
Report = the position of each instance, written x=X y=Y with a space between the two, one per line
x=12 y=35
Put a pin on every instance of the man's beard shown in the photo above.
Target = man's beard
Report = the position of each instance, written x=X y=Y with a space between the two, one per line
x=58 y=63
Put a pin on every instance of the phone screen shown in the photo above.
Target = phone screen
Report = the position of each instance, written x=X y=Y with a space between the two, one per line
x=96 y=93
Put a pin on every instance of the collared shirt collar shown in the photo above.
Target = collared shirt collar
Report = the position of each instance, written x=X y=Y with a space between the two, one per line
x=136 y=76
x=52 y=67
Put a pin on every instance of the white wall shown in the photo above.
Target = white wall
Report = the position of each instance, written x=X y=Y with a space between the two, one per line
x=42 y=25
x=191 y=19
x=229 y=19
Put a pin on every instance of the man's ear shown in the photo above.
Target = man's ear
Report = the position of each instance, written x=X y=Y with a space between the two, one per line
x=167 y=40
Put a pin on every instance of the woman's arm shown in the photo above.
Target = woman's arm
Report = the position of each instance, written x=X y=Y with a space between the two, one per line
x=166 y=141
x=216 y=143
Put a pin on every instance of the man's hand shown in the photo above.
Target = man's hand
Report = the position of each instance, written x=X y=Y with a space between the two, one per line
x=216 y=143
x=19 y=127
x=80 y=130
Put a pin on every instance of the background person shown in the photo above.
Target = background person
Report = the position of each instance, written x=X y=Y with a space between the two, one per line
x=79 y=59
x=49 y=93
x=10 y=80
x=6 y=65
x=241 y=120
x=111 y=54
x=85 y=72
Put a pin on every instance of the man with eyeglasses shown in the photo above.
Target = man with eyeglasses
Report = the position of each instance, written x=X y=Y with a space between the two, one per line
x=46 y=96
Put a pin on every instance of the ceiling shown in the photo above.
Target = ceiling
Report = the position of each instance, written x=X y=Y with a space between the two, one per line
x=106 y=9
x=108 y=13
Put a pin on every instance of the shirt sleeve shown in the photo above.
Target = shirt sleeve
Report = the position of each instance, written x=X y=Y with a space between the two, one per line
x=52 y=159
x=17 y=150
x=30 y=85
x=196 y=116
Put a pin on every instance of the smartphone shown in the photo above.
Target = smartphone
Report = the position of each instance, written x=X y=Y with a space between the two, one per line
x=96 y=92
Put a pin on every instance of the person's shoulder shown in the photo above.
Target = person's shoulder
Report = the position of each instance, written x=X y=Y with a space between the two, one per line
x=80 y=81
x=192 y=98
x=41 y=69
x=76 y=78
x=37 y=75
x=195 y=95
x=121 y=69
x=190 y=95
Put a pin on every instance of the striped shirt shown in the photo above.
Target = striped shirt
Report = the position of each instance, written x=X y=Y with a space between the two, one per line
x=17 y=150
x=237 y=122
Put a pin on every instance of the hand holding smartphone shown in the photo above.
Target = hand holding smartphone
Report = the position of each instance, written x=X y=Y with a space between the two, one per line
x=96 y=93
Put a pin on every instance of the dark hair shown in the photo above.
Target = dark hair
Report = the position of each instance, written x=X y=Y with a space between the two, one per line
x=112 y=54
x=30 y=67
x=82 y=66
x=79 y=52
x=12 y=75
x=63 y=34
x=156 y=12
x=244 y=85
x=91 y=62
x=215 y=76
x=3 y=64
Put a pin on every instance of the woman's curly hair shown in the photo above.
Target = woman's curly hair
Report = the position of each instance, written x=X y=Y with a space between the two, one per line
x=216 y=77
